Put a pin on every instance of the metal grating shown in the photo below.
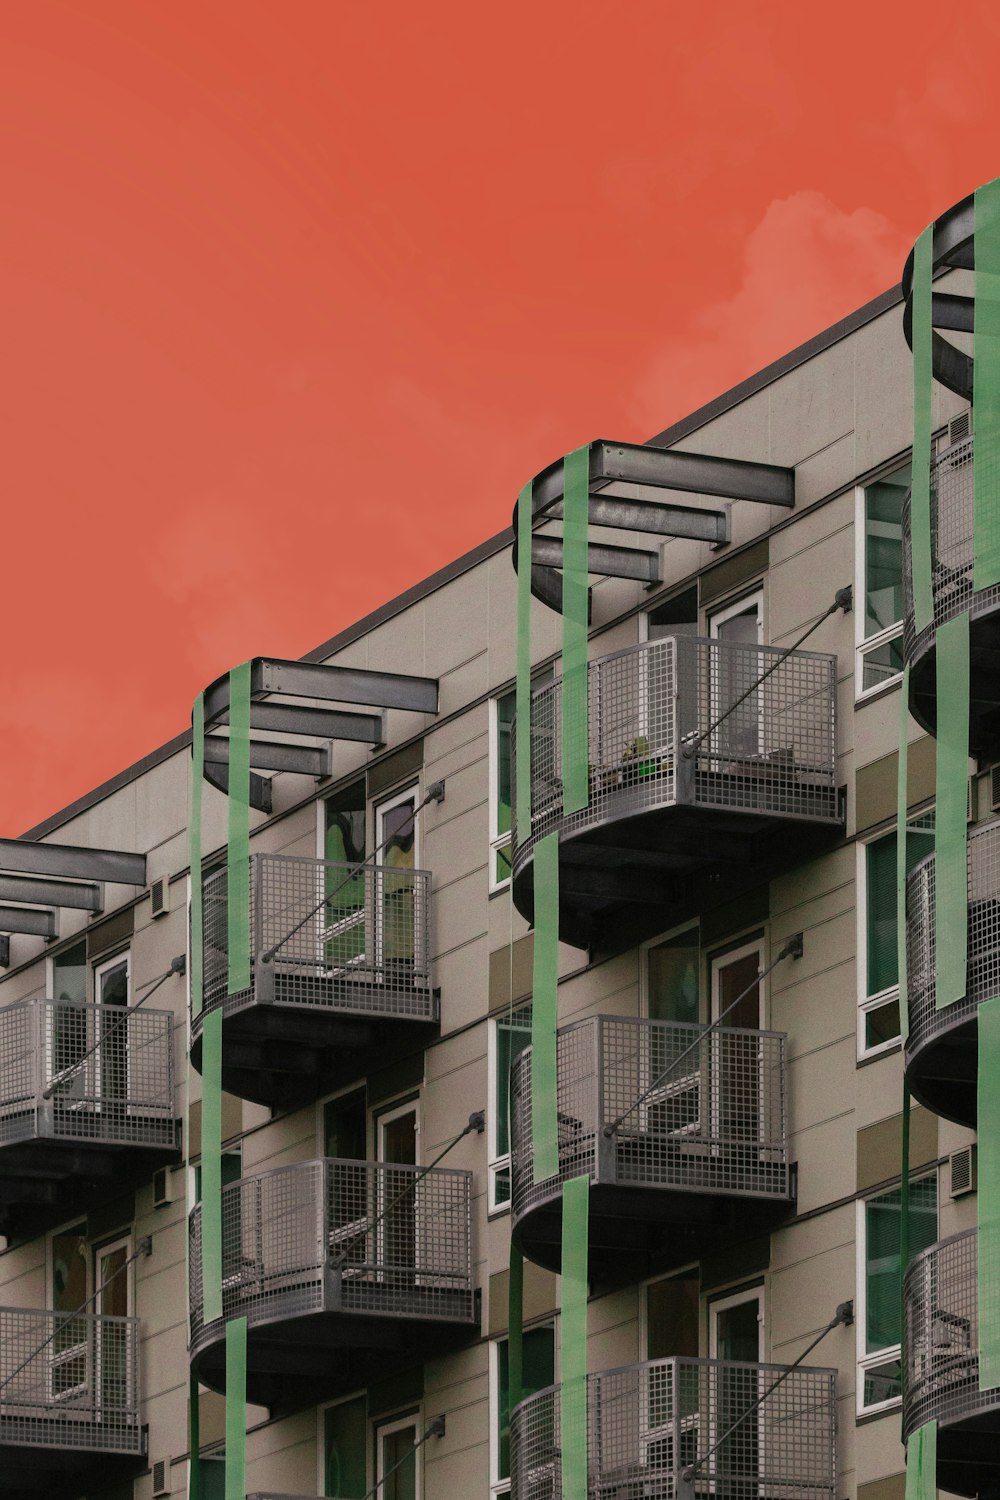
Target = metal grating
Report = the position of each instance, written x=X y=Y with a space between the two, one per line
x=983 y=973
x=646 y=1423
x=79 y=1388
x=120 y=1092
x=941 y=1325
x=951 y=547
x=774 y=753
x=343 y=938
x=714 y=1120
x=343 y=1236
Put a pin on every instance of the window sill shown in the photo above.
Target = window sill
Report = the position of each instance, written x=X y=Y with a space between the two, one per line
x=892 y=1049
x=872 y=694
x=890 y=1409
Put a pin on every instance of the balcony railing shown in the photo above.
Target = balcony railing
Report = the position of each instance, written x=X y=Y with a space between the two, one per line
x=712 y=1117
x=354 y=1237
x=73 y=1382
x=983 y=973
x=666 y=726
x=952 y=587
x=941 y=1370
x=326 y=935
x=646 y=1423
x=109 y=1074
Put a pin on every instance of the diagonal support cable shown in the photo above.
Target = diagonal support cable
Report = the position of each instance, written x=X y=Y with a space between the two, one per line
x=434 y=1428
x=792 y=949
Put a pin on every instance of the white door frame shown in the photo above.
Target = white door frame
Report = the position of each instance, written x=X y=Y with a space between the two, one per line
x=399 y=1424
x=719 y=617
x=380 y=1121
x=409 y=793
x=123 y=1242
x=716 y=963
x=721 y=1304
x=122 y=1030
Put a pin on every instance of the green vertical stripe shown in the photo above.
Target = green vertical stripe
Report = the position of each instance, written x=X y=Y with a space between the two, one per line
x=920 y=511
x=194 y=1439
x=904 y=1212
x=920 y=495
x=951 y=923
x=988 y=1196
x=921 y=1463
x=902 y=806
x=986 y=393
x=238 y=857
x=522 y=722
x=515 y=1328
x=575 y=736
x=211 y=1166
x=236 y=1409
x=573 y=1338
x=545 y=984
x=194 y=855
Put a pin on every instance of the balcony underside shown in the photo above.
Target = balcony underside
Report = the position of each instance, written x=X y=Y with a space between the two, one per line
x=968 y=1450
x=293 y=1362
x=286 y=1054
x=635 y=1232
x=942 y=1069
x=984 y=681
x=50 y=1473
x=631 y=877
x=47 y=1179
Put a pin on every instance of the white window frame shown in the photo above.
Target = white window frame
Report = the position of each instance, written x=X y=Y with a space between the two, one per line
x=862 y=644
x=497 y=1160
x=878 y=1357
x=655 y=942
x=500 y=1488
x=498 y=840
x=868 y=1003
x=55 y=1357
x=321 y=1440
x=397 y=1424
x=715 y=618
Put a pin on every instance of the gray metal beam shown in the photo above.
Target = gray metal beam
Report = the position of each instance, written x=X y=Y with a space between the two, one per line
x=85 y=896
x=321 y=723
x=260 y=787
x=653 y=518
x=297 y=679
x=697 y=473
x=611 y=562
x=270 y=755
x=35 y=923
x=67 y=862
x=948 y=310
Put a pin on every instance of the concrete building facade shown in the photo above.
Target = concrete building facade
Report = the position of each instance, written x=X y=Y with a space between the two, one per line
x=729 y=1067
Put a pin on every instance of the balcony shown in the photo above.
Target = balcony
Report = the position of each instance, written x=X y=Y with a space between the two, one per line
x=942 y=1049
x=646 y=1423
x=700 y=1148
x=706 y=776
x=69 y=1403
x=339 y=976
x=941 y=1370
x=338 y=1267
x=86 y=1107
x=953 y=593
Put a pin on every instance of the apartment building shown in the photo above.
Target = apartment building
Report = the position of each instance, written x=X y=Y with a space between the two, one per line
x=470 y=1061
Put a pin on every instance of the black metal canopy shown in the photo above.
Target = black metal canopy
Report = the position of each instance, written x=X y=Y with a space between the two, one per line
x=954 y=249
x=50 y=876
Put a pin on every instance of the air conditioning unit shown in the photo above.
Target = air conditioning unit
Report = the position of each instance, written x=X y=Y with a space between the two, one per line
x=962 y=1171
x=159 y=897
x=161 y=1477
x=960 y=427
x=163 y=1187
x=995 y=788
x=970 y=800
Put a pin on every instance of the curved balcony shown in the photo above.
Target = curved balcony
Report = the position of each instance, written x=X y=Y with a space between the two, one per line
x=646 y=1423
x=700 y=1148
x=339 y=976
x=953 y=594
x=712 y=766
x=338 y=1266
x=941 y=1370
x=942 y=1047
x=86 y=1107
x=69 y=1403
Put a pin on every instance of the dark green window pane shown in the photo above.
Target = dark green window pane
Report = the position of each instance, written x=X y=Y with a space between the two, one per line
x=538 y=1360
x=505 y=721
x=883 y=963
x=502 y=865
x=513 y=1035
x=882 y=663
x=213 y=1477
x=882 y=1024
x=344 y=842
x=883 y=1382
x=345 y=1127
x=884 y=551
x=345 y=1448
x=672 y=979
x=399 y=1464
x=882 y=1269
x=69 y=975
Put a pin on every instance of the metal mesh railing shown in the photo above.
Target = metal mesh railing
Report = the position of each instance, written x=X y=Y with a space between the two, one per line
x=712 y=1117
x=951 y=545
x=646 y=1423
x=983 y=972
x=115 y=1072
x=941 y=1317
x=774 y=752
x=79 y=1388
x=342 y=937
x=343 y=1236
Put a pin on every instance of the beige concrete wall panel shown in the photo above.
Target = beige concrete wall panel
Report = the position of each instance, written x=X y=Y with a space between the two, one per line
x=875 y=781
x=879 y=1147
x=733 y=573
x=878 y=1452
x=455 y=621
x=232 y=1121
x=793 y=894
x=807 y=1238
x=804 y=584
x=892 y=1487
x=510 y=972
x=401 y=644
x=803 y=1297
x=813 y=405
x=402 y=766
x=455 y=832
x=955 y=1214
x=824 y=1152
x=742 y=432
x=461 y=977
x=457 y=917
x=540 y=1297
x=447 y=1378
x=883 y=391
x=442 y=741
x=816 y=1085
x=616 y=992
x=291 y=1138
x=824 y=472
x=468 y=680
x=455 y=1056
x=501 y=616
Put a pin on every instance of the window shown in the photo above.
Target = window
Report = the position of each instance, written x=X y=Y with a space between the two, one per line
x=879 y=1319
x=232 y=1170
x=501 y=789
x=213 y=1475
x=676 y=616
x=399 y=1470
x=736 y=705
x=345 y=1449
x=672 y=1316
x=68 y=980
x=878 y=964
x=538 y=1371
x=879 y=580
x=671 y=978
x=508 y=1036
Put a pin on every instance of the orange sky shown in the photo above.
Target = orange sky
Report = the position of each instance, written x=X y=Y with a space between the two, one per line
x=296 y=296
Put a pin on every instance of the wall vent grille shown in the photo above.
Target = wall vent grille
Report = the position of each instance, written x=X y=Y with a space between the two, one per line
x=159 y=897
x=960 y=427
x=161 y=1476
x=962 y=1171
